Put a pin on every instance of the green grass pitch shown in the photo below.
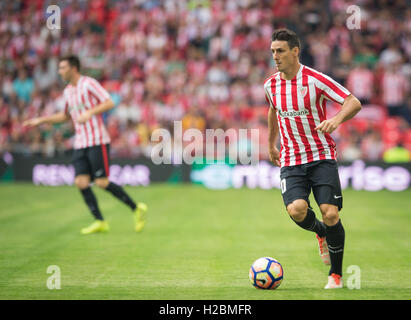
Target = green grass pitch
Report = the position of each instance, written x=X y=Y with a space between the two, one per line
x=198 y=244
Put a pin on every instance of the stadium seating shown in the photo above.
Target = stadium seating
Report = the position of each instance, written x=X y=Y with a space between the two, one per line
x=166 y=60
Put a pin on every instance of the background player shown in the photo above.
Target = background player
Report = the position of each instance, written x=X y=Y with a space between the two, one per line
x=297 y=95
x=85 y=102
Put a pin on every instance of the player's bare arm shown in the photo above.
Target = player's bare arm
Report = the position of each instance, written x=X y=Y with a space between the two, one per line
x=101 y=108
x=272 y=137
x=350 y=107
x=55 y=118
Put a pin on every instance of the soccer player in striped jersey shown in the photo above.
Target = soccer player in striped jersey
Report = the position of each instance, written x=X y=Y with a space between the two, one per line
x=297 y=96
x=85 y=102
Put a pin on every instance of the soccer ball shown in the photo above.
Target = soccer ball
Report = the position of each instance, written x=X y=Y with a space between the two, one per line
x=266 y=273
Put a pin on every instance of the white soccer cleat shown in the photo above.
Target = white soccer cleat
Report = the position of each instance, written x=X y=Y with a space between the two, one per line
x=323 y=250
x=334 y=282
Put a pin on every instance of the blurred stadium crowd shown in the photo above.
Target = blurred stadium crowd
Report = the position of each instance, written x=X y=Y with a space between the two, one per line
x=202 y=62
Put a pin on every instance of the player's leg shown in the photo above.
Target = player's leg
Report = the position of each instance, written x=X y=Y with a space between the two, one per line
x=295 y=190
x=301 y=213
x=100 y=166
x=99 y=160
x=328 y=195
x=139 y=210
x=99 y=225
x=335 y=235
x=82 y=181
x=116 y=190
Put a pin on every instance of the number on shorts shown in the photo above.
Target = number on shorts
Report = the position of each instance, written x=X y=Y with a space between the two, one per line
x=283 y=186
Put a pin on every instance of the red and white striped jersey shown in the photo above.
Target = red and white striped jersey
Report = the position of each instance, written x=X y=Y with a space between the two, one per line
x=300 y=104
x=87 y=94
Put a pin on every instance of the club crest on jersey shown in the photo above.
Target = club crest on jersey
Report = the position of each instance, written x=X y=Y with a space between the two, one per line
x=303 y=91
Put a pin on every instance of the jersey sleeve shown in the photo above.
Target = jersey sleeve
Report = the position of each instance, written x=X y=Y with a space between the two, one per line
x=65 y=103
x=331 y=89
x=66 y=107
x=97 y=90
x=268 y=96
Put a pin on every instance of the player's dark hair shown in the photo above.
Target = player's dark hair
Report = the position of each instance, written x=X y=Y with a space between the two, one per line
x=287 y=35
x=73 y=61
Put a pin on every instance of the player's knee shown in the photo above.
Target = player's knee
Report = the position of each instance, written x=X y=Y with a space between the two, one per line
x=102 y=183
x=298 y=209
x=330 y=214
x=82 y=182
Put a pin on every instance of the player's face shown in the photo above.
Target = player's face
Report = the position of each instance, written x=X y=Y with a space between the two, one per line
x=65 y=70
x=283 y=56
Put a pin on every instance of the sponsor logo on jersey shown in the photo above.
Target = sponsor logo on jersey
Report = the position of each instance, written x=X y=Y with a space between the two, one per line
x=294 y=113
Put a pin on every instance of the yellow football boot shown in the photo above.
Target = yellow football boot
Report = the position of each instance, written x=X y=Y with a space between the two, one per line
x=96 y=226
x=140 y=215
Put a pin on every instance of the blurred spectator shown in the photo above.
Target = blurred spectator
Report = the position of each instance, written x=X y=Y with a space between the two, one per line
x=193 y=119
x=395 y=87
x=127 y=111
x=360 y=82
x=391 y=55
x=45 y=73
x=351 y=150
x=365 y=54
x=372 y=146
x=397 y=154
x=23 y=86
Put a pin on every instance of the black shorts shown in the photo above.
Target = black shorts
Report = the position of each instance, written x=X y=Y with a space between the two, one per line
x=93 y=161
x=320 y=176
